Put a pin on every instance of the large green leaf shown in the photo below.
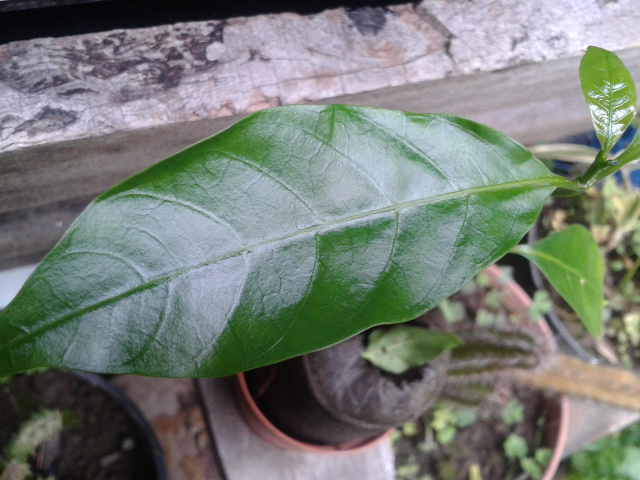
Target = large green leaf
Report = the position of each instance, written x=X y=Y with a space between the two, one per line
x=571 y=262
x=610 y=94
x=291 y=230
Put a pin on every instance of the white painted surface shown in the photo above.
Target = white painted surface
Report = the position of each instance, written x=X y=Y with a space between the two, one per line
x=11 y=281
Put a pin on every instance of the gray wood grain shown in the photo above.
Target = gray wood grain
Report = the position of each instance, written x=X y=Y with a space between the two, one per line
x=55 y=89
x=81 y=113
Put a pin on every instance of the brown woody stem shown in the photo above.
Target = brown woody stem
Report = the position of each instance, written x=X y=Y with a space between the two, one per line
x=571 y=376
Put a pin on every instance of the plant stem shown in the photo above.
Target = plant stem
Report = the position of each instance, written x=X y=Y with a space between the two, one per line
x=567 y=187
x=571 y=376
x=600 y=169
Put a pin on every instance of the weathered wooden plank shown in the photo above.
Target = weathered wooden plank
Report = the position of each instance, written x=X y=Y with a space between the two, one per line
x=532 y=103
x=79 y=114
x=172 y=407
x=91 y=85
x=538 y=102
x=245 y=456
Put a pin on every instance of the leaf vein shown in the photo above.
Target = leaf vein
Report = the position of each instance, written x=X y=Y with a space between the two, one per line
x=188 y=205
x=271 y=175
x=357 y=166
x=153 y=337
x=422 y=202
x=113 y=255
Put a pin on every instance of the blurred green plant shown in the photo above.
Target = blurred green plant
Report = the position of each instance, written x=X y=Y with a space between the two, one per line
x=616 y=457
x=16 y=461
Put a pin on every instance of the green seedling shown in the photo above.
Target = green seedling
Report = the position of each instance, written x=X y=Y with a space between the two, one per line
x=38 y=429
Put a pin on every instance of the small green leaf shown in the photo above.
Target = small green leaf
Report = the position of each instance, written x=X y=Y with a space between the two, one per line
x=543 y=456
x=572 y=263
x=483 y=280
x=442 y=417
x=515 y=446
x=531 y=467
x=453 y=312
x=513 y=412
x=610 y=94
x=404 y=346
x=493 y=299
x=484 y=318
x=446 y=435
x=541 y=304
x=465 y=416
x=409 y=429
x=408 y=471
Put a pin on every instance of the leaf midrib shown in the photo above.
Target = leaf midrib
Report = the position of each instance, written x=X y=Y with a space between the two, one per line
x=551 y=182
x=574 y=271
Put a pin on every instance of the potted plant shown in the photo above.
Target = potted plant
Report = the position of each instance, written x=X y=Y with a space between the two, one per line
x=615 y=456
x=73 y=425
x=296 y=228
x=610 y=211
x=484 y=425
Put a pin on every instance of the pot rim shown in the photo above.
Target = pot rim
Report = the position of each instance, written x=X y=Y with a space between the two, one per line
x=266 y=430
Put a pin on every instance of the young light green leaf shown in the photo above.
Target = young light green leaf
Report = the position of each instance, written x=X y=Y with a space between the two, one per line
x=610 y=94
x=543 y=456
x=293 y=229
x=513 y=412
x=446 y=435
x=465 y=416
x=515 y=446
x=530 y=467
x=452 y=311
x=571 y=262
x=37 y=429
x=541 y=304
x=405 y=346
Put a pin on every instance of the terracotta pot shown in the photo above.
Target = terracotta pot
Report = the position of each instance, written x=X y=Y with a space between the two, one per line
x=333 y=400
x=262 y=426
x=555 y=434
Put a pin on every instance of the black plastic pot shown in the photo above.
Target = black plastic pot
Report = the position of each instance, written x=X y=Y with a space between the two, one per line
x=98 y=416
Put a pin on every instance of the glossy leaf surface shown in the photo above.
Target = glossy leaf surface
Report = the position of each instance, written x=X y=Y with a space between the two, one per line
x=405 y=346
x=610 y=94
x=289 y=231
x=571 y=262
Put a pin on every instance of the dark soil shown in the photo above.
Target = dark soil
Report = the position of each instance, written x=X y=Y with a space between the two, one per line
x=99 y=440
x=481 y=443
